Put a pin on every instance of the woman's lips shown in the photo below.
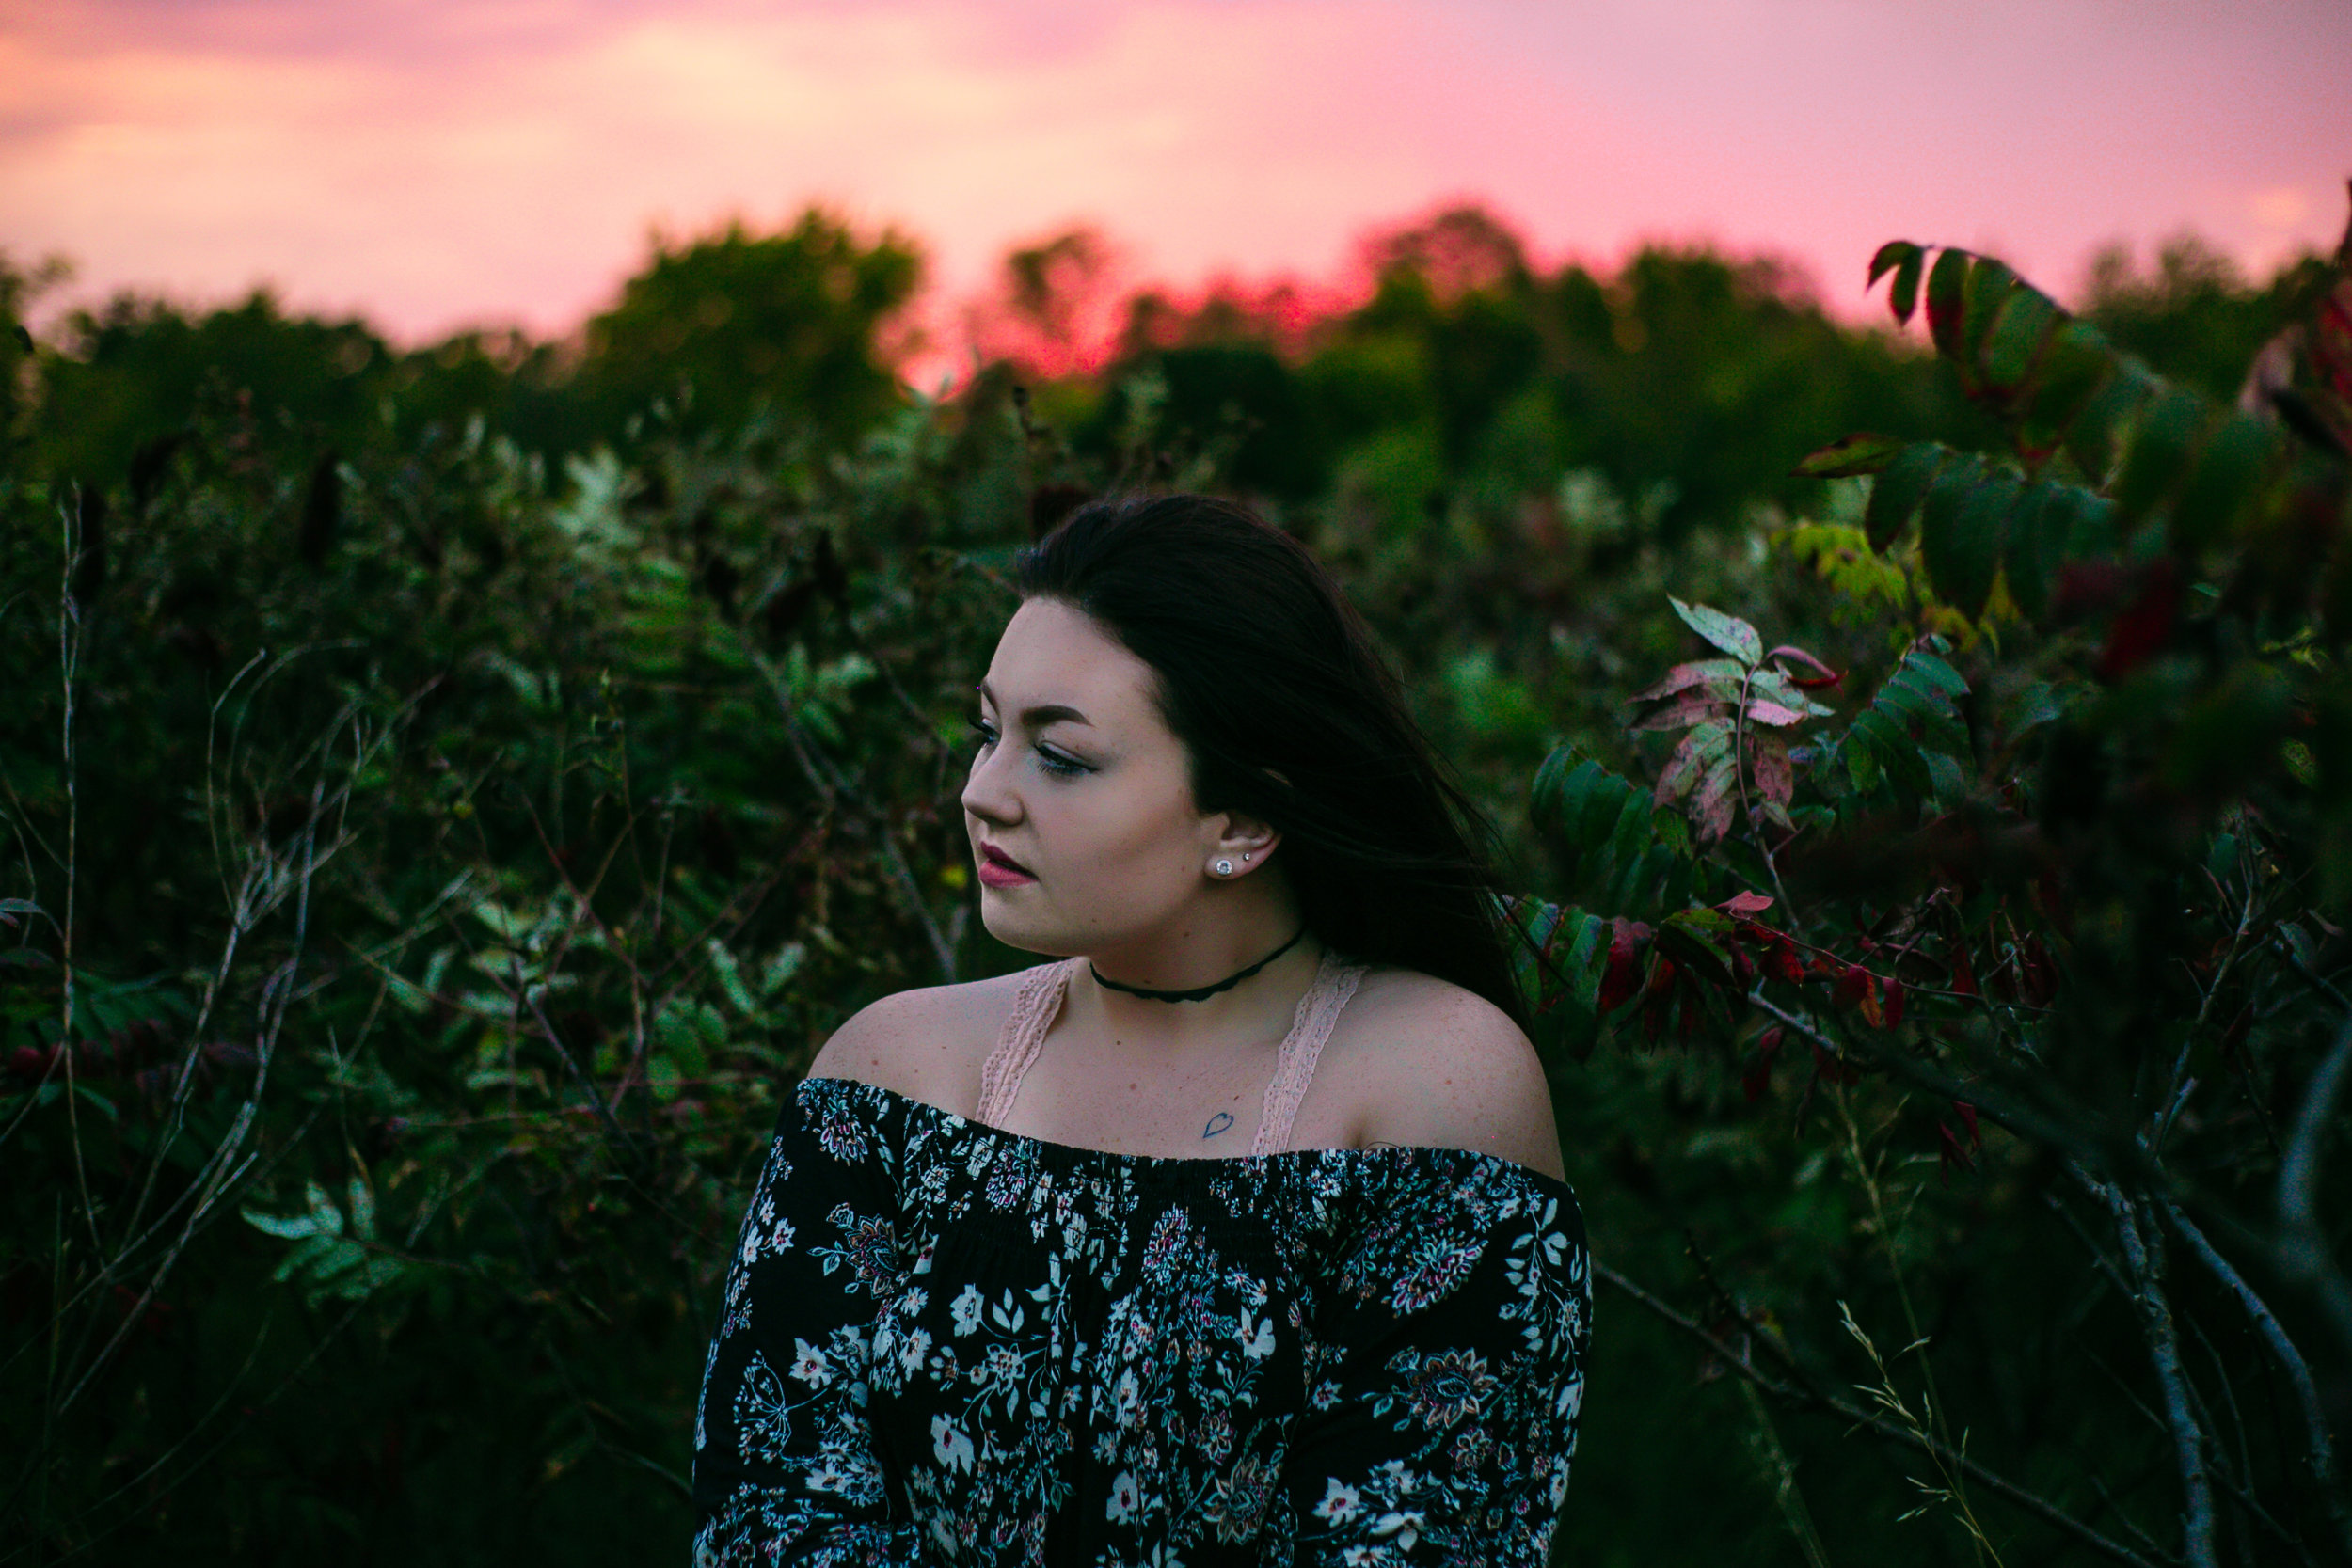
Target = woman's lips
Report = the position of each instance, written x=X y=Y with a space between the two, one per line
x=997 y=869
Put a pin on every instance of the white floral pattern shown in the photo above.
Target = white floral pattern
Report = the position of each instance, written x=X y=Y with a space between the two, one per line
x=1004 y=1351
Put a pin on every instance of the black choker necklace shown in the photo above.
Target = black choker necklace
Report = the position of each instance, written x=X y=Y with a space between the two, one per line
x=1199 y=993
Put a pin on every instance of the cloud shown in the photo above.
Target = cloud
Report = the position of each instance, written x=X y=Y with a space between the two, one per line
x=439 y=160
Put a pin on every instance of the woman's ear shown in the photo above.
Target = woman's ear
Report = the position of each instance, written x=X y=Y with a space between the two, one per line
x=1246 y=844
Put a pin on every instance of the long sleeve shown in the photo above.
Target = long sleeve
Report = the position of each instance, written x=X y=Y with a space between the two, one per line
x=1447 y=1374
x=785 y=1463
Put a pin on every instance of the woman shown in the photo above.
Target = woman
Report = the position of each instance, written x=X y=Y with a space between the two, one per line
x=1237 y=1236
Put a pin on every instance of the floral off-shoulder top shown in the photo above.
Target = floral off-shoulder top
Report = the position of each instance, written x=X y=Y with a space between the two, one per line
x=944 y=1343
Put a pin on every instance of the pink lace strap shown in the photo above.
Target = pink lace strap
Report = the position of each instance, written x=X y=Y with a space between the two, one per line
x=1040 y=999
x=1294 y=1067
x=1020 y=1038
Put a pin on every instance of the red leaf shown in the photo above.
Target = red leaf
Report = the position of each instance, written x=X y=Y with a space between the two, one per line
x=1824 y=675
x=1950 y=1154
x=2143 y=626
x=1963 y=977
x=1893 y=1002
x=1626 y=946
x=1741 y=904
x=1968 y=1115
x=1853 y=985
x=1758 y=1077
x=1773 y=714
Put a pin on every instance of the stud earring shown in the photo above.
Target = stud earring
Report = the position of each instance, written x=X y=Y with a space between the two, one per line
x=1225 y=869
x=1246 y=856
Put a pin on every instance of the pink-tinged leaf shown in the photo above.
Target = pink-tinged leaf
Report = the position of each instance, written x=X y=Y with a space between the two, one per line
x=1744 y=905
x=1893 y=1002
x=1711 y=807
x=1772 y=714
x=1775 y=776
x=1721 y=676
x=1822 y=675
x=1694 y=709
x=1774 y=686
x=1728 y=632
x=1701 y=748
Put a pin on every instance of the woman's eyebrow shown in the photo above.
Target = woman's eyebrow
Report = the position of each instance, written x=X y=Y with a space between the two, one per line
x=1044 y=713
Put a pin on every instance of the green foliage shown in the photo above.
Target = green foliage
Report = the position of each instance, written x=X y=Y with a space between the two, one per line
x=473 y=827
x=738 y=322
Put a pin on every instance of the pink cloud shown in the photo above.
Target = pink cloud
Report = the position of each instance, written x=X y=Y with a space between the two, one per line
x=434 y=162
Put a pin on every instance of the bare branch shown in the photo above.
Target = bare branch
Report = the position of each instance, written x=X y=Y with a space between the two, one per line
x=2320 y=1457
x=2143 y=1256
x=2303 y=1252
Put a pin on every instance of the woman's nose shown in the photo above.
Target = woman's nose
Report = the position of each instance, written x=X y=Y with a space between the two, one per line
x=986 y=794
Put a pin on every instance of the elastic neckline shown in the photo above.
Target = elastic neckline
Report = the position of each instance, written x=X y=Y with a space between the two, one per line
x=1084 y=1154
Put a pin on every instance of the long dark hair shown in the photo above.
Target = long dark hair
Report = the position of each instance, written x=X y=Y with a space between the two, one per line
x=1268 y=677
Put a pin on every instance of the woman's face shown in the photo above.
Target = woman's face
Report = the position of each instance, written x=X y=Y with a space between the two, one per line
x=1080 y=783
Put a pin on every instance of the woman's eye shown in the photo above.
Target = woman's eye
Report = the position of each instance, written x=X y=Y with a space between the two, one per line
x=1054 y=763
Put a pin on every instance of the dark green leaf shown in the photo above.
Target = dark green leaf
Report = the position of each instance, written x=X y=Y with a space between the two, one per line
x=1988 y=289
x=2091 y=527
x=2227 y=477
x=1897 y=493
x=1980 y=540
x=2025 y=323
x=1902 y=296
x=2093 y=435
x=1892 y=253
x=2036 y=546
x=2077 y=364
x=1853 y=455
x=1957 y=568
x=1947 y=280
x=2157 y=459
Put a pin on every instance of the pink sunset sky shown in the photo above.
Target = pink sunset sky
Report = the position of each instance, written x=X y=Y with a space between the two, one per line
x=435 y=163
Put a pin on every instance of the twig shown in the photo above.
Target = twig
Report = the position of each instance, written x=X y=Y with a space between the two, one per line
x=2320 y=1459
x=2143 y=1256
x=69 y=664
x=2041 y=1508
x=2303 y=1252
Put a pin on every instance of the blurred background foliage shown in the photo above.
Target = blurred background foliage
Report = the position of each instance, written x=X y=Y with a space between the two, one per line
x=450 y=790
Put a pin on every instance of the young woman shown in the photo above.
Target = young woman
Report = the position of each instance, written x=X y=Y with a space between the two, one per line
x=1237 y=1234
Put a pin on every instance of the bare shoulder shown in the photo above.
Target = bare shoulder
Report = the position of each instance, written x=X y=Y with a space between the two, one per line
x=1432 y=1063
x=926 y=1044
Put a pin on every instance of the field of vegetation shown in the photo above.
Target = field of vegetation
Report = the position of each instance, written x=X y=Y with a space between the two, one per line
x=449 y=792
